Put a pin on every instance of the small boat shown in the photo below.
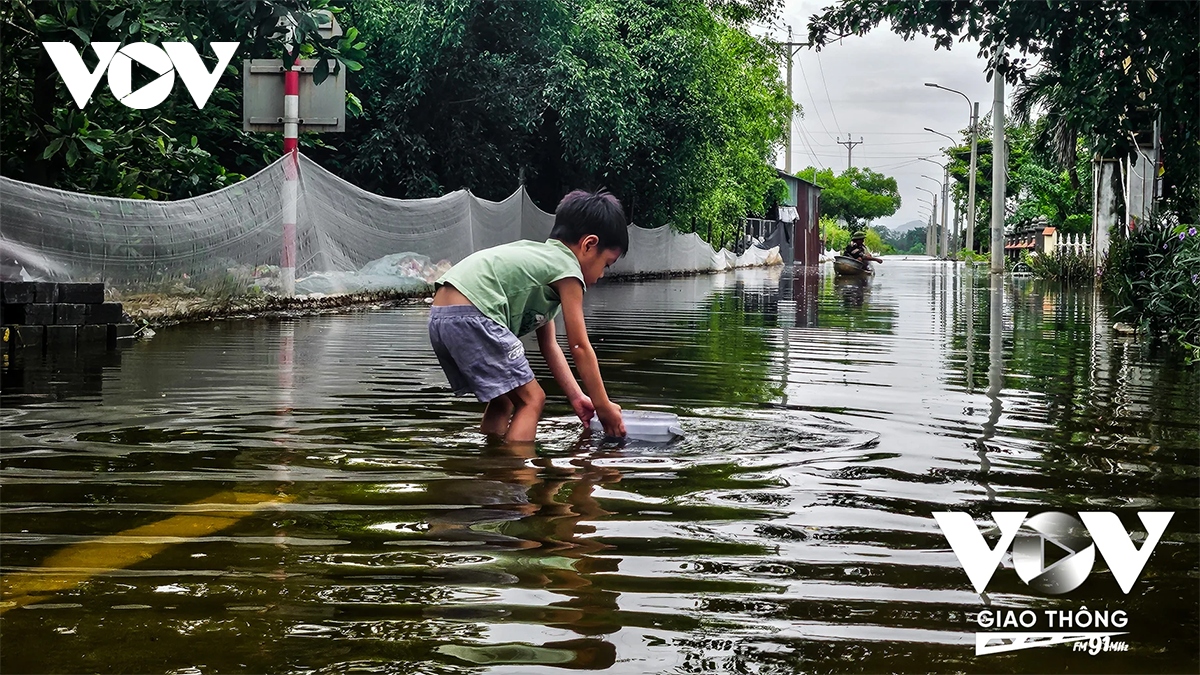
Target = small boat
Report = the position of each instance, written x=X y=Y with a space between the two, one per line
x=847 y=267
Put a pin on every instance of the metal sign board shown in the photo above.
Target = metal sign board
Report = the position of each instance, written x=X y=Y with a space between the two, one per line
x=330 y=29
x=322 y=107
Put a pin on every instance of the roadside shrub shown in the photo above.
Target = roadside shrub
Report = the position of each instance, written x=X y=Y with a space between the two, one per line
x=836 y=237
x=1064 y=266
x=877 y=245
x=970 y=256
x=1155 y=276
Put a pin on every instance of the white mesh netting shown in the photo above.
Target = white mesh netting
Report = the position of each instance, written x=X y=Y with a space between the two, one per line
x=346 y=239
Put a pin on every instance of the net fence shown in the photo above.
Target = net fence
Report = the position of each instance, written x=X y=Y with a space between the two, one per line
x=345 y=239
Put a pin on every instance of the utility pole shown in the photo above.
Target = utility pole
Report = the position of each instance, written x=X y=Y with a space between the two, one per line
x=999 y=164
x=931 y=247
x=957 y=223
x=945 y=244
x=971 y=180
x=285 y=116
x=291 y=162
x=850 y=143
x=943 y=241
x=934 y=216
x=792 y=48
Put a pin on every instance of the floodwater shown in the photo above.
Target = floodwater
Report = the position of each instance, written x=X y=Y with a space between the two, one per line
x=305 y=496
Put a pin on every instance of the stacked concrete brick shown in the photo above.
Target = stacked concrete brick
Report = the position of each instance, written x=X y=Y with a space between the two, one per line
x=60 y=317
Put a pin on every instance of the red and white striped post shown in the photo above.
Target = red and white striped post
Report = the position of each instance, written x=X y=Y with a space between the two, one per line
x=291 y=171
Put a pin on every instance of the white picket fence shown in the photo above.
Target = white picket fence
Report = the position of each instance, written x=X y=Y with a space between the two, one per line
x=1078 y=244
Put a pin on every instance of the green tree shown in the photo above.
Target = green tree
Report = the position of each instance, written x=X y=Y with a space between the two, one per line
x=903 y=242
x=834 y=235
x=876 y=244
x=1036 y=186
x=455 y=98
x=1057 y=134
x=1109 y=65
x=1047 y=193
x=673 y=106
x=675 y=109
x=171 y=151
x=959 y=166
x=857 y=196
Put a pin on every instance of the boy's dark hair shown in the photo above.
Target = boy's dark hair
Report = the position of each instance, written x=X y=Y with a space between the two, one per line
x=581 y=213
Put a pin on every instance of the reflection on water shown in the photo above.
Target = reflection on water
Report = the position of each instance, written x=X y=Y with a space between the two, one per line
x=995 y=383
x=305 y=496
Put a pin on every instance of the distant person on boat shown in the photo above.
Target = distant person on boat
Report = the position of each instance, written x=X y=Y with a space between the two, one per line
x=858 y=249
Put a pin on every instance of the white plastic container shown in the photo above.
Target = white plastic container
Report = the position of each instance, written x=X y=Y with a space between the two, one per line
x=646 y=425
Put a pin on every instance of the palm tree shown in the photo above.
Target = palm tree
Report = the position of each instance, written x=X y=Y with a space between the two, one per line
x=1057 y=136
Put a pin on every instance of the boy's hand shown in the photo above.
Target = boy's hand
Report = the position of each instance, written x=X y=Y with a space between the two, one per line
x=610 y=417
x=583 y=408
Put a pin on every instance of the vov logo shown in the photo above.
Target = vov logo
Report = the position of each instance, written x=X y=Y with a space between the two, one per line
x=165 y=60
x=1053 y=532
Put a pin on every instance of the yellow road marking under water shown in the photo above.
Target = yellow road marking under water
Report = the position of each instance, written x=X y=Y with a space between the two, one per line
x=75 y=564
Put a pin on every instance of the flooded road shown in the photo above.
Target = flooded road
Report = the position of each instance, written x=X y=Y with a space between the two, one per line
x=306 y=497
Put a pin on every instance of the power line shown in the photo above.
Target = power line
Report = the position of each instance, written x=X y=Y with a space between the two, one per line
x=878 y=157
x=900 y=155
x=882 y=132
x=812 y=98
x=925 y=143
x=828 y=98
x=897 y=165
x=804 y=138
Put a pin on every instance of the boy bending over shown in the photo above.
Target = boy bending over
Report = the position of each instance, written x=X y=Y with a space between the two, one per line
x=484 y=303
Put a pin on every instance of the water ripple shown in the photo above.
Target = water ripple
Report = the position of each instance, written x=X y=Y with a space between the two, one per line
x=791 y=530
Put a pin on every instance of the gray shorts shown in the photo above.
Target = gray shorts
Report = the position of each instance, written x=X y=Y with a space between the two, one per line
x=478 y=355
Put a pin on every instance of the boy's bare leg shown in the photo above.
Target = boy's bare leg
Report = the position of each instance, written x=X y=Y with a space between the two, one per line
x=528 y=400
x=495 y=417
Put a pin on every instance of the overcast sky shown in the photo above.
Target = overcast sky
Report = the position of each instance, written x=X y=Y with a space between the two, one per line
x=873 y=87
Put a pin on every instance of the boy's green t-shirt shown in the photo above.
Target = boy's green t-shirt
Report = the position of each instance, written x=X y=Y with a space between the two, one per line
x=510 y=283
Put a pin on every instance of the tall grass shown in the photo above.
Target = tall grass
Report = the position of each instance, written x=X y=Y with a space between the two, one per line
x=1065 y=266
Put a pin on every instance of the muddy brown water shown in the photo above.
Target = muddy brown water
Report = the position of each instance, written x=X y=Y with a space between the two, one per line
x=305 y=496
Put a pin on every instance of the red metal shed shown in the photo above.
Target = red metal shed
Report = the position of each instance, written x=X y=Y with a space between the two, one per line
x=804 y=197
